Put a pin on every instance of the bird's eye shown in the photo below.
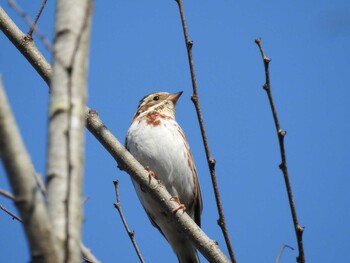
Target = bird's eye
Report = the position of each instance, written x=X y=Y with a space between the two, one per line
x=156 y=98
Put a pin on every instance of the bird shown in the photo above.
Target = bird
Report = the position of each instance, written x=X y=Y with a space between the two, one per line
x=158 y=142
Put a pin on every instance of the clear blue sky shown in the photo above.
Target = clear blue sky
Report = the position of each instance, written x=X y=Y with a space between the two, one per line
x=138 y=47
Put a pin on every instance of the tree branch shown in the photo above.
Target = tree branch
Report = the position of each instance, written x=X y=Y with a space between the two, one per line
x=28 y=199
x=281 y=251
x=66 y=128
x=25 y=45
x=179 y=220
x=87 y=255
x=131 y=234
x=7 y=194
x=32 y=27
x=283 y=166
x=182 y=222
x=10 y=213
x=29 y=21
x=211 y=161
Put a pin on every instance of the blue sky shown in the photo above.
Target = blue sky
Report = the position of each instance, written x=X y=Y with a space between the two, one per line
x=137 y=47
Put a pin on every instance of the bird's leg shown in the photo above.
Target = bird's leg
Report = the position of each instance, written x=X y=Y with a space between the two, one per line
x=181 y=206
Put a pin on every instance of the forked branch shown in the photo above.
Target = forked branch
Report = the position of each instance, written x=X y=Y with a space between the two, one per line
x=31 y=23
x=283 y=166
x=211 y=161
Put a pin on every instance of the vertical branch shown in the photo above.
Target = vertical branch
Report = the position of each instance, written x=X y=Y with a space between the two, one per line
x=211 y=161
x=283 y=166
x=28 y=199
x=67 y=121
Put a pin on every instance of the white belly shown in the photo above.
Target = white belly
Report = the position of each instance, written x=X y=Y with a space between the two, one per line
x=163 y=150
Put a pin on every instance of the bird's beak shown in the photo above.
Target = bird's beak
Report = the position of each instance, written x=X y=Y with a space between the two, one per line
x=174 y=97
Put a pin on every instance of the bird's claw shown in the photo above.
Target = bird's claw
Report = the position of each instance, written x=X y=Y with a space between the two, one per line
x=181 y=206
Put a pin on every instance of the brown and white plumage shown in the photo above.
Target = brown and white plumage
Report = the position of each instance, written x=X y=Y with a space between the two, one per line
x=157 y=141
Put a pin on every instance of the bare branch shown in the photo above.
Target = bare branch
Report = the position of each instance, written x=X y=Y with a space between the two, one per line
x=7 y=194
x=27 y=198
x=211 y=161
x=281 y=251
x=10 y=213
x=283 y=166
x=131 y=234
x=30 y=33
x=29 y=21
x=179 y=220
x=40 y=183
x=67 y=122
x=182 y=222
x=25 y=45
x=87 y=255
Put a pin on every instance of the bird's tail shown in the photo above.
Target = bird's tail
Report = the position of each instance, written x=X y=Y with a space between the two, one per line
x=187 y=254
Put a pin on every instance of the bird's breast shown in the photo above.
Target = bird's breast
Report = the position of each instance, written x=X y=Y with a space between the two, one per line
x=160 y=144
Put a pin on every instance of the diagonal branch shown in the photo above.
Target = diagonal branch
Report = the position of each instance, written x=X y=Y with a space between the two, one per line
x=10 y=213
x=25 y=45
x=30 y=22
x=283 y=166
x=29 y=50
x=131 y=234
x=179 y=220
x=27 y=197
x=7 y=194
x=182 y=222
x=86 y=253
x=32 y=27
x=211 y=161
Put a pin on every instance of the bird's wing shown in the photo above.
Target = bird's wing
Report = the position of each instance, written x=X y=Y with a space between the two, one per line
x=198 y=206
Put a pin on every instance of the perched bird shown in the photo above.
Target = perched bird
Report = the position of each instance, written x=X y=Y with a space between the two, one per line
x=157 y=141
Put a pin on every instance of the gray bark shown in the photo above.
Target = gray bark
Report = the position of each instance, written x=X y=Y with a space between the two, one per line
x=28 y=197
x=67 y=122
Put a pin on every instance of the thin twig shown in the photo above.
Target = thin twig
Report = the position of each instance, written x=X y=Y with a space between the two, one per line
x=283 y=166
x=210 y=159
x=26 y=46
x=131 y=234
x=37 y=18
x=39 y=181
x=85 y=199
x=30 y=22
x=7 y=194
x=281 y=251
x=87 y=255
x=10 y=213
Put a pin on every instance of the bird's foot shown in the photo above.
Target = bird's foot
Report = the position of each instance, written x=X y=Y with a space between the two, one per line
x=150 y=172
x=181 y=206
